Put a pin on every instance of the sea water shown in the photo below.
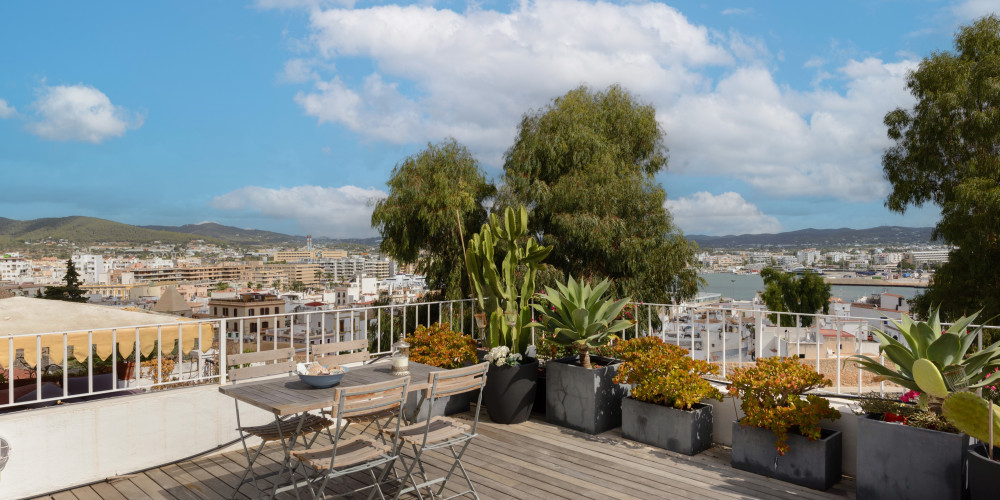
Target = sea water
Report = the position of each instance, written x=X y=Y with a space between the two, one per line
x=744 y=286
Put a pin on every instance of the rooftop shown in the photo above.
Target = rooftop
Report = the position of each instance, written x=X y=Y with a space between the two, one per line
x=530 y=460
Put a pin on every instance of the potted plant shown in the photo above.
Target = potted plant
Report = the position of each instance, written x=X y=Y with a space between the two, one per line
x=438 y=345
x=509 y=393
x=780 y=435
x=579 y=395
x=931 y=362
x=976 y=416
x=664 y=408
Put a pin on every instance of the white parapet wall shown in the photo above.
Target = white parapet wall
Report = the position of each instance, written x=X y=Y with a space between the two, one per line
x=63 y=446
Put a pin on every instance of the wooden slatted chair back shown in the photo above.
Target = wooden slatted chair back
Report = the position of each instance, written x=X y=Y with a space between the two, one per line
x=449 y=382
x=275 y=361
x=370 y=399
x=340 y=353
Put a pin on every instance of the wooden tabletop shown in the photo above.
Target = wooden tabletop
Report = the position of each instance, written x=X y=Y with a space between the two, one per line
x=289 y=395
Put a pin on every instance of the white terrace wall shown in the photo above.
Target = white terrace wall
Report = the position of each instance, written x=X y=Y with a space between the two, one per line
x=62 y=446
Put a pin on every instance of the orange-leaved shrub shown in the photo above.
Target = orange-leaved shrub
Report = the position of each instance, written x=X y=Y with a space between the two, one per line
x=438 y=345
x=772 y=398
x=662 y=373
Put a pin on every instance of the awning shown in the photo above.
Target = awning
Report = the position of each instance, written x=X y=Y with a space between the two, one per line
x=102 y=339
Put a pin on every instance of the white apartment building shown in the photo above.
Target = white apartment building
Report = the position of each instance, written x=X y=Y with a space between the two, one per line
x=92 y=269
x=927 y=257
x=15 y=269
x=808 y=256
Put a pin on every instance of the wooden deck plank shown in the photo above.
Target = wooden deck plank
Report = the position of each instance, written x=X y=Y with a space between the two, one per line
x=64 y=495
x=168 y=483
x=86 y=493
x=107 y=492
x=128 y=489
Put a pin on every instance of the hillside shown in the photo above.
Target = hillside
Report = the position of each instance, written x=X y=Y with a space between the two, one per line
x=80 y=229
x=233 y=234
x=882 y=235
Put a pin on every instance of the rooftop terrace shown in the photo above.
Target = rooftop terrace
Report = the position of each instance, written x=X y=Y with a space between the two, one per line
x=530 y=460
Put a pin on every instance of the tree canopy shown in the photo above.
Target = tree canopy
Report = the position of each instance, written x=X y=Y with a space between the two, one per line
x=71 y=291
x=806 y=293
x=584 y=165
x=947 y=152
x=418 y=220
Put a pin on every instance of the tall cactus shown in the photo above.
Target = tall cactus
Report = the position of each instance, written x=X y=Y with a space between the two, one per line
x=495 y=289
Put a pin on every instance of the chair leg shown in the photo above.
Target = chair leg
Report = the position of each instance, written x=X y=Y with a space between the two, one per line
x=250 y=462
x=458 y=463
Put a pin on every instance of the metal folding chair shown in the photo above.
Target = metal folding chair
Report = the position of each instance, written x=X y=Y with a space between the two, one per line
x=362 y=452
x=442 y=433
x=286 y=431
x=342 y=353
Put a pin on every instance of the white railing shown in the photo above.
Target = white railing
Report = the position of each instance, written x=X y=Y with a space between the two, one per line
x=47 y=368
x=41 y=369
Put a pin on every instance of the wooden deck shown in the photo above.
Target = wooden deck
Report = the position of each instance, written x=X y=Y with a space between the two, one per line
x=531 y=460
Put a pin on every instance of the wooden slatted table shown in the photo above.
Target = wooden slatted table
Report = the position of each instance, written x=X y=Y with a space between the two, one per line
x=288 y=395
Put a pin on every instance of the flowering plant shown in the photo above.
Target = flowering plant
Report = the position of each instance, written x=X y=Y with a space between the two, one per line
x=438 y=345
x=772 y=398
x=660 y=373
x=501 y=356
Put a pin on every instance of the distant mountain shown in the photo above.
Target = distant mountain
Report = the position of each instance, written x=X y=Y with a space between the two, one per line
x=233 y=234
x=80 y=229
x=882 y=235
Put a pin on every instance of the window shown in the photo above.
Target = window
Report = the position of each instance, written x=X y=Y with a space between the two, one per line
x=215 y=311
x=263 y=325
x=277 y=310
x=225 y=311
x=251 y=312
x=267 y=310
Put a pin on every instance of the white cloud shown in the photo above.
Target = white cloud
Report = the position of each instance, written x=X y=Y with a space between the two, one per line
x=787 y=143
x=337 y=212
x=471 y=75
x=79 y=113
x=6 y=111
x=724 y=214
x=968 y=10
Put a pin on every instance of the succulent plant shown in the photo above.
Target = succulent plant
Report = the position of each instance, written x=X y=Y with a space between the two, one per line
x=933 y=361
x=968 y=412
x=579 y=317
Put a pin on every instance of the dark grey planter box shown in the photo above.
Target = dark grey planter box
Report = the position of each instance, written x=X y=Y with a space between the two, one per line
x=444 y=406
x=684 y=431
x=896 y=461
x=582 y=399
x=813 y=464
x=984 y=474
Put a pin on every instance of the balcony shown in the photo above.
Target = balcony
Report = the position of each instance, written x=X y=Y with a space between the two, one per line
x=130 y=433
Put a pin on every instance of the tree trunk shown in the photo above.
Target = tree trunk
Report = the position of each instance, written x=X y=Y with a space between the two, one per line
x=585 y=357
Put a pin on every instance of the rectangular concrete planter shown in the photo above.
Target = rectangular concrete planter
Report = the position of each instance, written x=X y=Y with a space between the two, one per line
x=448 y=405
x=813 y=464
x=683 y=431
x=582 y=399
x=896 y=461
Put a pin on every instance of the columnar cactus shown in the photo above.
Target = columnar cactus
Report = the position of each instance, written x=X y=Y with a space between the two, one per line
x=495 y=289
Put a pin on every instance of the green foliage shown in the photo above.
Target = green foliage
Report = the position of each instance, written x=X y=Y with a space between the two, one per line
x=969 y=413
x=91 y=230
x=946 y=153
x=438 y=345
x=71 y=291
x=771 y=394
x=785 y=292
x=419 y=215
x=496 y=289
x=946 y=350
x=585 y=165
x=662 y=373
x=577 y=315
x=222 y=285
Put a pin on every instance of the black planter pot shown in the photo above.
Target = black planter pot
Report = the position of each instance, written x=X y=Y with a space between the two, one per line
x=510 y=392
x=684 y=431
x=448 y=405
x=583 y=399
x=984 y=474
x=896 y=461
x=539 y=406
x=813 y=464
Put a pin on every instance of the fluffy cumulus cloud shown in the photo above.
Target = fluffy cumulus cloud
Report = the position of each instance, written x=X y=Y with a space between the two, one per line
x=723 y=214
x=6 y=110
x=337 y=212
x=79 y=113
x=472 y=74
x=970 y=9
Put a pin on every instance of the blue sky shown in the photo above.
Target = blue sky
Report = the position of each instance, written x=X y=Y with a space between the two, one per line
x=289 y=115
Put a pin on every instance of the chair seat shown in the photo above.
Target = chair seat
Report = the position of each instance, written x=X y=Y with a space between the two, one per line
x=369 y=417
x=353 y=451
x=284 y=429
x=441 y=429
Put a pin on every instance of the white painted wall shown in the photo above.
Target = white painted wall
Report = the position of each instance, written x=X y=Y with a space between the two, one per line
x=69 y=445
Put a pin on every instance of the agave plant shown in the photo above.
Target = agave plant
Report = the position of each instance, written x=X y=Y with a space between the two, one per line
x=579 y=317
x=934 y=362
